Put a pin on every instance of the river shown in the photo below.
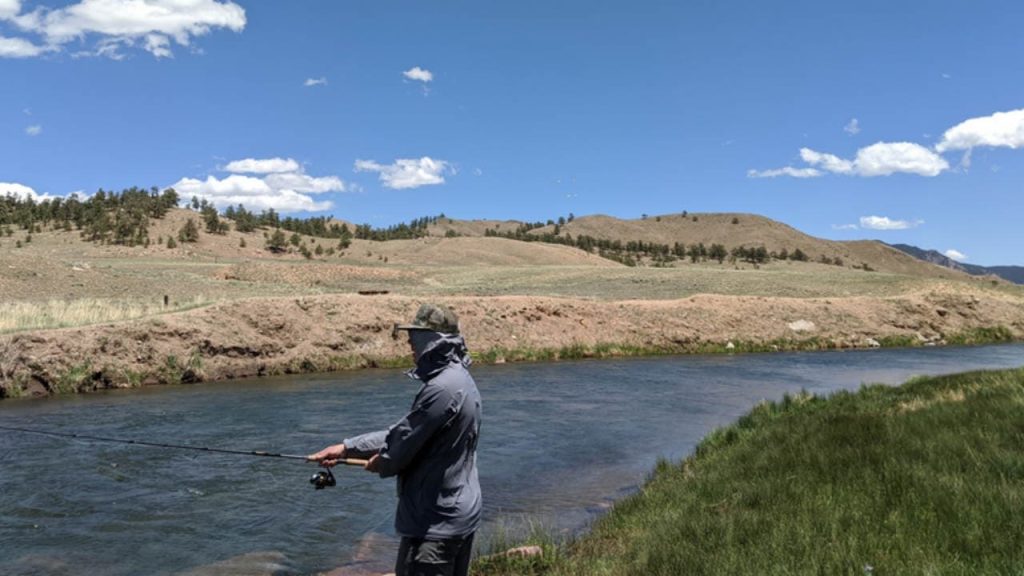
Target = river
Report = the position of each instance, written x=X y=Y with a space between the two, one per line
x=560 y=443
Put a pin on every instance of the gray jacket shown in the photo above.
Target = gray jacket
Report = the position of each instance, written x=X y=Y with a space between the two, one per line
x=433 y=449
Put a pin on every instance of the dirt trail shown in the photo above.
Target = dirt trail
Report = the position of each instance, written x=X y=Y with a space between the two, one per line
x=320 y=333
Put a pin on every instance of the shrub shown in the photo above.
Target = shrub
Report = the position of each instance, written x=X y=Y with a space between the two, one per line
x=189 y=232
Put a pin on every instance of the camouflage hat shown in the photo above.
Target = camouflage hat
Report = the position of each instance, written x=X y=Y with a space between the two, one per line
x=432 y=317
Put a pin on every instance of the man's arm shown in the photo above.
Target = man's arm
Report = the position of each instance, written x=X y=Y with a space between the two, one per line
x=431 y=409
x=362 y=446
x=365 y=445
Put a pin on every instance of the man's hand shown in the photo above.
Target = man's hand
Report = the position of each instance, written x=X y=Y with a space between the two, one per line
x=372 y=465
x=328 y=456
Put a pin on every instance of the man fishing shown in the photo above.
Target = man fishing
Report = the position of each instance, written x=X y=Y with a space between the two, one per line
x=432 y=451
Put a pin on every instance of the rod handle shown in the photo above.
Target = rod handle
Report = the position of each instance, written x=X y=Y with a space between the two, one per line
x=353 y=461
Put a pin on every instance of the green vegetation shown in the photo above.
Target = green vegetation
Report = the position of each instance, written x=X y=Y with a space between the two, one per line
x=982 y=336
x=109 y=217
x=189 y=232
x=71 y=381
x=416 y=228
x=899 y=341
x=925 y=478
x=635 y=252
x=105 y=217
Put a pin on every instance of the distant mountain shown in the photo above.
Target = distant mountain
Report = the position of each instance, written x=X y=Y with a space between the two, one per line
x=1014 y=274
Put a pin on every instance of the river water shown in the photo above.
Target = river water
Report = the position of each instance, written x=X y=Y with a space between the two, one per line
x=560 y=443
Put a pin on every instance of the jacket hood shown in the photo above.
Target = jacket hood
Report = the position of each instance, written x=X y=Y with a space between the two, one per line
x=438 y=355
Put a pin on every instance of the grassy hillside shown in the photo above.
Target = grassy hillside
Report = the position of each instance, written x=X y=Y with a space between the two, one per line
x=732 y=230
x=925 y=478
x=728 y=229
x=51 y=268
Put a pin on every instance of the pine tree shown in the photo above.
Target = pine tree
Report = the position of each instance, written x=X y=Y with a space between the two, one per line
x=189 y=232
x=277 y=242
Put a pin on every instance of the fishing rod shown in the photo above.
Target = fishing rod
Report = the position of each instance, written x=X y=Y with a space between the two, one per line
x=321 y=479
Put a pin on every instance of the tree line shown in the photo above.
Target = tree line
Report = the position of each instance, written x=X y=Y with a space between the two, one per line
x=108 y=217
x=123 y=218
x=633 y=252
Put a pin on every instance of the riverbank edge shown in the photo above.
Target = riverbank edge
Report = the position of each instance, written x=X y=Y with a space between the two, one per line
x=308 y=335
x=615 y=544
x=79 y=378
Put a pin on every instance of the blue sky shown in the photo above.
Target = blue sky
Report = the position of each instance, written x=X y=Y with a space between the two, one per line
x=897 y=121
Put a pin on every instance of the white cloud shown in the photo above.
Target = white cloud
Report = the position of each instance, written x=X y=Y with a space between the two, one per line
x=885 y=223
x=845 y=227
x=22 y=191
x=34 y=130
x=263 y=166
x=304 y=183
x=829 y=162
x=20 y=48
x=9 y=8
x=321 y=81
x=786 y=171
x=159 y=45
x=250 y=191
x=407 y=173
x=879 y=159
x=283 y=186
x=107 y=48
x=120 y=23
x=955 y=255
x=885 y=158
x=1002 y=129
x=419 y=74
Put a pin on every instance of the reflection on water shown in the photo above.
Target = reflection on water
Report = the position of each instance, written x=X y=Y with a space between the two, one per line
x=560 y=443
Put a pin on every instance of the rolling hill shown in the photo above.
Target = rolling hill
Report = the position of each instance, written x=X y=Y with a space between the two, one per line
x=729 y=229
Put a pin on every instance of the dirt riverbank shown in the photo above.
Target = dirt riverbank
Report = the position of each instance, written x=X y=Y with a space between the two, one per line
x=269 y=336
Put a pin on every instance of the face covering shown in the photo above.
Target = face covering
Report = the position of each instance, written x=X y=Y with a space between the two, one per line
x=421 y=341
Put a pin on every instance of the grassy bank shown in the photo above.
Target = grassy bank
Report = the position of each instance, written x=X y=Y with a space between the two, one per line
x=925 y=478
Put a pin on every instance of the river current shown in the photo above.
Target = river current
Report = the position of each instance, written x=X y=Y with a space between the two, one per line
x=560 y=443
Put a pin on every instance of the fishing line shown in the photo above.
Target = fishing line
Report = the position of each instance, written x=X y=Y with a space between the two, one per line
x=155 y=444
x=321 y=479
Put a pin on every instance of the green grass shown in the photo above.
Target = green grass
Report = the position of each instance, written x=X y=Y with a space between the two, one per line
x=925 y=478
x=982 y=336
x=72 y=380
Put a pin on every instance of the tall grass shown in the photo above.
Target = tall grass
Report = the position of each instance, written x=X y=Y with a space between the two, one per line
x=925 y=478
x=18 y=316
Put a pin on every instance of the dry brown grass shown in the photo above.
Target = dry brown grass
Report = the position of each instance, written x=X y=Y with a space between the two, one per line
x=18 y=316
x=111 y=283
x=749 y=230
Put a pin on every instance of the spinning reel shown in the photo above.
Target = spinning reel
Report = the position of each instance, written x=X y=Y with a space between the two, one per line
x=323 y=479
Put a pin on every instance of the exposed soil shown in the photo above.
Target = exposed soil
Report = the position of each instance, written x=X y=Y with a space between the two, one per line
x=267 y=336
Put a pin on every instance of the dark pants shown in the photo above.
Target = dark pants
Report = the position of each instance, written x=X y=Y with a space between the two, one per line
x=419 y=557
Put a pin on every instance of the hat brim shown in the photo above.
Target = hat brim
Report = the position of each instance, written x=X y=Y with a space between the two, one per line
x=399 y=327
x=409 y=327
